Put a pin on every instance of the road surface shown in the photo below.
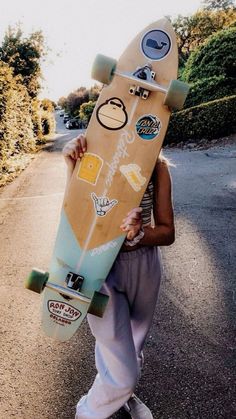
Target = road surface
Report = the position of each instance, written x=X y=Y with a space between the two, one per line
x=191 y=350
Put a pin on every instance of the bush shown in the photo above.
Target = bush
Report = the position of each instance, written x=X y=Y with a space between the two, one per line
x=36 y=120
x=216 y=57
x=48 y=123
x=210 y=89
x=16 y=128
x=209 y=120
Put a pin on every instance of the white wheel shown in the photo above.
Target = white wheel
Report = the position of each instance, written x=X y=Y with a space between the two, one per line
x=103 y=69
x=176 y=94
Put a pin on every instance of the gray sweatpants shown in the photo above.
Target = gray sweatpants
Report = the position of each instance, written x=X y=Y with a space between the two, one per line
x=133 y=286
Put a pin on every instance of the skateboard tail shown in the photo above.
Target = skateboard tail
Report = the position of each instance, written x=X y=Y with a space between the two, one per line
x=63 y=315
x=63 y=318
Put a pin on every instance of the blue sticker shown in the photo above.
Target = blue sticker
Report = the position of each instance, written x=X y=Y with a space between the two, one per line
x=148 y=127
x=156 y=44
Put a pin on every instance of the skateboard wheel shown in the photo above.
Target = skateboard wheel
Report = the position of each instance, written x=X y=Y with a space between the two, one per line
x=98 y=304
x=36 y=280
x=103 y=69
x=176 y=94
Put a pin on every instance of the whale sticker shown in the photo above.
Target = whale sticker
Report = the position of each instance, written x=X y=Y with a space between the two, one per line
x=156 y=44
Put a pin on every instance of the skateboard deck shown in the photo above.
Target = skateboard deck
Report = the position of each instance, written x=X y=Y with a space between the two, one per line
x=124 y=138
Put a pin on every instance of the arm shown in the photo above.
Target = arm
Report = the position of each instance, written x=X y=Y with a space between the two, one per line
x=73 y=151
x=163 y=233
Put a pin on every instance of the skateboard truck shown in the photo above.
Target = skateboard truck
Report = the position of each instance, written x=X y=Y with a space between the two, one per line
x=142 y=79
x=142 y=73
x=38 y=280
x=74 y=282
x=150 y=85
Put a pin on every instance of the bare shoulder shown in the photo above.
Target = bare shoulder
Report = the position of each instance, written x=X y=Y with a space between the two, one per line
x=162 y=172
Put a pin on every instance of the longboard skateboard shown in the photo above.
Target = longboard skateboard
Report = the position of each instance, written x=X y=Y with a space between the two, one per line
x=124 y=137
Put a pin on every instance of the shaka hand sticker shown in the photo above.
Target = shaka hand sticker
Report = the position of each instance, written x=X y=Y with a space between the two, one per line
x=103 y=204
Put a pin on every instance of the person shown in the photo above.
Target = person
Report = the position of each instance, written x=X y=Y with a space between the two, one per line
x=133 y=286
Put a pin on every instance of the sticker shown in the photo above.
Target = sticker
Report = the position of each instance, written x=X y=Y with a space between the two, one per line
x=104 y=248
x=132 y=172
x=89 y=168
x=112 y=114
x=102 y=204
x=156 y=45
x=125 y=139
x=148 y=127
x=63 y=310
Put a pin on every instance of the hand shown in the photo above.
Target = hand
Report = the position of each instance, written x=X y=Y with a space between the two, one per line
x=132 y=223
x=74 y=150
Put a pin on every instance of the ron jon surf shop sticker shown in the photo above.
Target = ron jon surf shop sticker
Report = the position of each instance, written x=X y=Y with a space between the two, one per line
x=148 y=127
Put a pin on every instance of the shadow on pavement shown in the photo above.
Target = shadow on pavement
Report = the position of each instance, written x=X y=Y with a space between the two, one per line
x=190 y=354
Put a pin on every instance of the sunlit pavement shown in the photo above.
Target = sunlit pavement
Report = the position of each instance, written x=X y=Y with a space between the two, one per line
x=191 y=350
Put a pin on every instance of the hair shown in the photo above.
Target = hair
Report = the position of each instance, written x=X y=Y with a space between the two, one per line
x=164 y=160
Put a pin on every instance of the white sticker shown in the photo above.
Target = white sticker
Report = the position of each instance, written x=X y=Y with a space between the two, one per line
x=132 y=172
x=103 y=248
x=63 y=310
x=156 y=44
x=112 y=114
x=103 y=204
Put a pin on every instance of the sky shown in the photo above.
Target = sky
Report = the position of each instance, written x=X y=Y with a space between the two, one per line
x=76 y=30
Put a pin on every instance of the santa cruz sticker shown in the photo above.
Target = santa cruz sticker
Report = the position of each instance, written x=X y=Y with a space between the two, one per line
x=156 y=45
x=112 y=114
x=64 y=311
x=148 y=127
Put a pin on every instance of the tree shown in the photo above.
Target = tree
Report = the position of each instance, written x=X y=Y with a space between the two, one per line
x=94 y=92
x=217 y=4
x=62 y=102
x=23 y=56
x=192 y=31
x=47 y=105
x=75 y=100
x=86 y=110
x=214 y=58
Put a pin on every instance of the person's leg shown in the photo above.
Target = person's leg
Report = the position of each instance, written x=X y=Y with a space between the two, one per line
x=115 y=353
x=143 y=294
x=133 y=287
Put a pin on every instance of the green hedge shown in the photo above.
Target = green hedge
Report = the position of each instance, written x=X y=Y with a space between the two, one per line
x=215 y=57
x=48 y=123
x=16 y=128
x=36 y=120
x=23 y=122
x=209 y=89
x=209 y=120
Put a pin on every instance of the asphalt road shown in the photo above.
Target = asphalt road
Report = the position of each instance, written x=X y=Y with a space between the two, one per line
x=191 y=350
